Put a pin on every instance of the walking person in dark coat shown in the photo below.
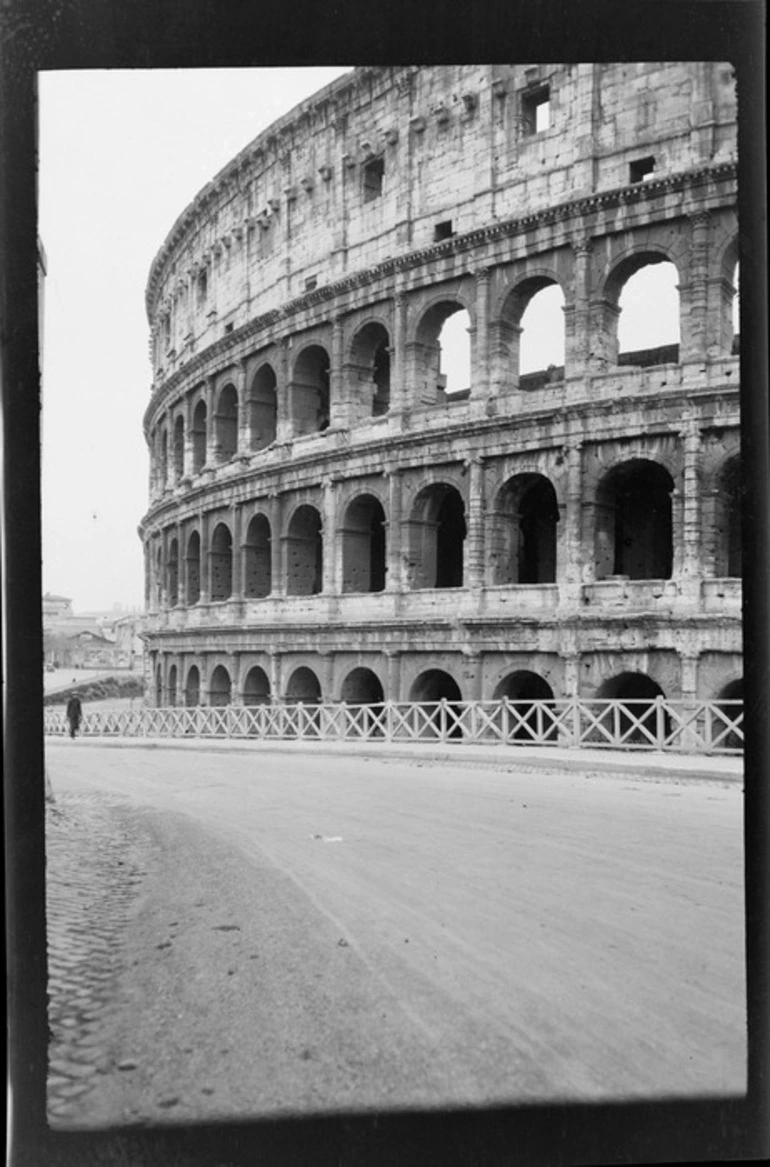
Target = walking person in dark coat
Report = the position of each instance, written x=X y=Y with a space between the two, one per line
x=74 y=714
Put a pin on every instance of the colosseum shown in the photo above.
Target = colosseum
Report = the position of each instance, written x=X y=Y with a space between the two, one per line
x=332 y=518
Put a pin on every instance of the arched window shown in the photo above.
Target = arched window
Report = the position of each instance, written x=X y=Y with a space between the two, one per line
x=226 y=424
x=193 y=562
x=637 y=721
x=172 y=684
x=199 y=437
x=258 y=581
x=256 y=687
x=173 y=573
x=648 y=307
x=428 y=689
x=263 y=408
x=362 y=687
x=441 y=353
x=541 y=343
x=437 y=533
x=192 y=689
x=178 y=448
x=304 y=553
x=528 y=691
x=633 y=530
x=221 y=563
x=363 y=546
x=303 y=686
x=367 y=373
x=309 y=391
x=220 y=688
x=523 y=532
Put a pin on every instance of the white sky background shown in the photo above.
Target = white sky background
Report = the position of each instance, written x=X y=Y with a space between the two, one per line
x=122 y=153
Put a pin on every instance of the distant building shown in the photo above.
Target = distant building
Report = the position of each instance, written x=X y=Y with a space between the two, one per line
x=56 y=607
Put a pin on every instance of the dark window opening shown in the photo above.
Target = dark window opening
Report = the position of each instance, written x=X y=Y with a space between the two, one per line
x=633 y=522
x=536 y=110
x=256 y=687
x=363 y=546
x=258 y=559
x=311 y=283
x=372 y=179
x=192 y=693
x=228 y=329
x=304 y=553
x=263 y=409
x=221 y=563
x=450 y=536
x=529 y=719
x=203 y=287
x=381 y=399
x=193 y=560
x=641 y=169
x=443 y=231
x=429 y=689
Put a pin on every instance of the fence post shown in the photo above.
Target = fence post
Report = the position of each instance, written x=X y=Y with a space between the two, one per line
x=660 y=723
x=506 y=721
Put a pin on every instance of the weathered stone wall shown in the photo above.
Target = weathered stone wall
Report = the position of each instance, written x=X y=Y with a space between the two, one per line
x=319 y=503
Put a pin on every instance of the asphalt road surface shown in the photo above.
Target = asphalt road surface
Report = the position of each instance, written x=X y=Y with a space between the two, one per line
x=287 y=933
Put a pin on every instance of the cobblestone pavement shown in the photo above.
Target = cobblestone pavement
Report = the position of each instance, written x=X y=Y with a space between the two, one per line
x=95 y=851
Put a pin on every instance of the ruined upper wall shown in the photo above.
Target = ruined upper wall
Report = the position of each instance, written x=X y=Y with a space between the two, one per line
x=382 y=161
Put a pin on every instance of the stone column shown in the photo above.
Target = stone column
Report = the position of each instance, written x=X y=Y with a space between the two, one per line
x=393 y=679
x=472 y=673
x=283 y=421
x=571 y=674
x=602 y=335
x=205 y=561
x=695 y=340
x=244 y=420
x=187 y=465
x=398 y=397
x=237 y=551
x=577 y=314
x=329 y=527
x=688 y=663
x=277 y=541
x=480 y=367
x=393 y=581
x=690 y=569
x=275 y=675
x=339 y=405
x=474 y=542
x=503 y=356
x=211 y=429
x=570 y=551
x=236 y=696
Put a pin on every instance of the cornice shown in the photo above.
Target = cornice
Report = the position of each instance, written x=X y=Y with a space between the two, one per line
x=456 y=245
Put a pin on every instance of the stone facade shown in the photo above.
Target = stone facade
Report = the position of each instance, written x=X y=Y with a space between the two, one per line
x=326 y=522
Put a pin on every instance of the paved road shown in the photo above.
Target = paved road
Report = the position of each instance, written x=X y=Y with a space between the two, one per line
x=284 y=933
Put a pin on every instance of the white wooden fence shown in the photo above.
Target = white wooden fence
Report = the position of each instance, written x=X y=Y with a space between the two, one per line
x=708 y=727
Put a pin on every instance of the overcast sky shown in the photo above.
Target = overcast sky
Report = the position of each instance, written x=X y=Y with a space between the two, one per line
x=122 y=153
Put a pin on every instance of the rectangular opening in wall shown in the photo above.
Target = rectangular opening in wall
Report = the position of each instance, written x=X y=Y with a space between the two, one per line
x=228 y=328
x=373 y=171
x=203 y=287
x=311 y=283
x=443 y=231
x=641 y=169
x=536 y=110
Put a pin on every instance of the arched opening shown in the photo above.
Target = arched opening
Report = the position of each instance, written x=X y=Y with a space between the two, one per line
x=523 y=532
x=636 y=721
x=528 y=691
x=221 y=563
x=303 y=686
x=178 y=448
x=158 y=578
x=172 y=684
x=256 y=687
x=432 y=687
x=199 y=437
x=192 y=689
x=226 y=424
x=258 y=581
x=193 y=563
x=437 y=531
x=158 y=687
x=441 y=353
x=542 y=338
x=368 y=372
x=363 y=546
x=220 y=688
x=648 y=311
x=633 y=532
x=309 y=391
x=173 y=573
x=304 y=553
x=362 y=687
x=263 y=408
